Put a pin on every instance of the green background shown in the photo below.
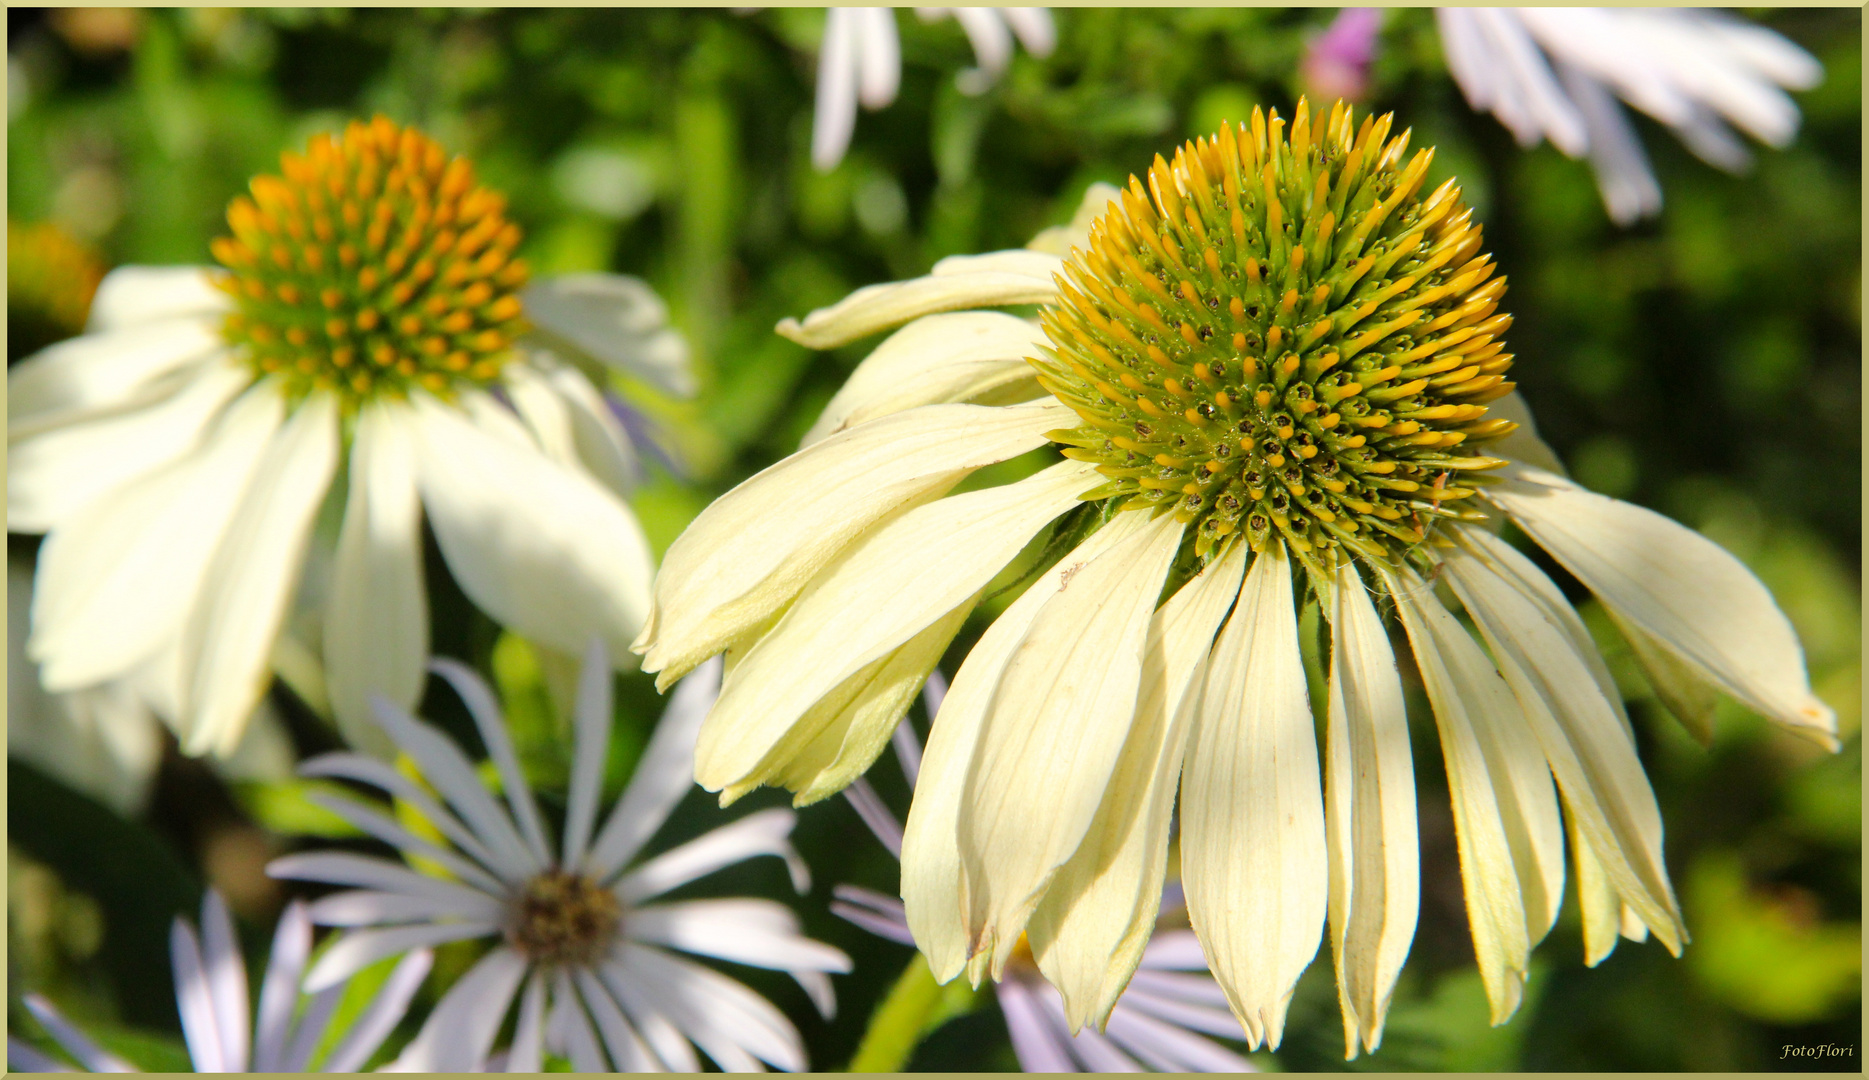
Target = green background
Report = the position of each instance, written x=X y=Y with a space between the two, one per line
x=1706 y=364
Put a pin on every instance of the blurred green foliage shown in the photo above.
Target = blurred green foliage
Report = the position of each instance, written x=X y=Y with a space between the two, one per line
x=1706 y=364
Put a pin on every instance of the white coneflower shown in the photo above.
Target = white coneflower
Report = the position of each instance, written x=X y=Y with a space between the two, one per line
x=579 y=942
x=860 y=60
x=1288 y=360
x=370 y=332
x=1555 y=73
x=211 y=996
x=1161 y=1021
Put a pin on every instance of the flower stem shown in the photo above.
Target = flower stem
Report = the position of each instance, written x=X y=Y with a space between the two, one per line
x=915 y=1006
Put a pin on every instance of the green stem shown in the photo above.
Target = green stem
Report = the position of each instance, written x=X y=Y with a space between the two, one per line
x=916 y=1005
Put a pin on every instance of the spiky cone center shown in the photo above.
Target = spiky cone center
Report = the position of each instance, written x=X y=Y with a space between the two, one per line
x=374 y=264
x=563 y=918
x=1282 y=338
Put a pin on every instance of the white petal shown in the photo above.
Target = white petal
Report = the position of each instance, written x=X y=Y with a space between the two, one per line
x=388 y=831
x=226 y=972
x=1677 y=586
x=626 y=1047
x=1596 y=897
x=937 y=358
x=381 y=1015
x=616 y=320
x=1690 y=698
x=664 y=774
x=24 y=1058
x=371 y=771
x=308 y=1034
x=545 y=414
x=879 y=914
x=1253 y=859
x=1034 y=28
x=527 y=1051
x=603 y=446
x=102 y=372
x=568 y=1031
x=1057 y=724
x=1169 y=1047
x=545 y=550
x=879 y=307
x=991 y=40
x=757 y=932
x=1581 y=733
x=376 y=626
x=132 y=295
x=763 y=833
x=1194 y=1016
x=593 y=719
x=882 y=591
x=279 y=989
x=931 y=868
x=194 y=999
x=1375 y=881
x=879 y=56
x=460 y=1031
x=1038 y=1046
x=117 y=581
x=725 y=1019
x=57 y=473
x=753 y=548
x=1091 y=929
x=361 y=907
x=875 y=814
x=256 y=569
x=1505 y=813
x=340 y=868
x=835 y=116
x=670 y=1045
x=491 y=723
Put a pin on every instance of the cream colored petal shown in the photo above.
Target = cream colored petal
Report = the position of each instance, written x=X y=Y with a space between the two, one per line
x=854 y=721
x=133 y=295
x=116 y=581
x=930 y=853
x=1060 y=239
x=256 y=570
x=1523 y=444
x=1057 y=724
x=1581 y=735
x=376 y=624
x=603 y=446
x=1375 y=864
x=1089 y=932
x=1689 y=698
x=993 y=280
x=1677 y=586
x=1506 y=822
x=1596 y=897
x=53 y=475
x=938 y=358
x=1253 y=856
x=616 y=320
x=882 y=591
x=748 y=554
x=545 y=550
x=545 y=414
x=102 y=372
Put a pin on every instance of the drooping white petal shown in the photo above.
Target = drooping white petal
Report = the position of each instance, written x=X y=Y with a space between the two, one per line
x=615 y=319
x=835 y=115
x=879 y=56
x=663 y=774
x=725 y=1019
x=763 y=833
x=376 y=624
x=1506 y=823
x=1090 y=931
x=1581 y=733
x=1253 y=858
x=116 y=581
x=460 y=1031
x=878 y=594
x=756 y=932
x=991 y=41
x=545 y=550
x=879 y=307
x=1034 y=28
x=752 y=549
x=229 y=637
x=1375 y=860
x=1677 y=586
x=931 y=869
x=107 y=371
x=1057 y=724
x=381 y=1015
x=135 y=295
x=937 y=358
x=57 y=473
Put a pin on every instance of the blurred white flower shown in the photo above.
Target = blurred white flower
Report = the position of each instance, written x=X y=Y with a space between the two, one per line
x=579 y=944
x=375 y=349
x=860 y=60
x=1161 y=1021
x=211 y=995
x=1555 y=73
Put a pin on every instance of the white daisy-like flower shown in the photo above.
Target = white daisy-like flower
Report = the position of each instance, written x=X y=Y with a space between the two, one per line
x=1279 y=355
x=1555 y=73
x=211 y=996
x=860 y=60
x=580 y=943
x=369 y=336
x=1161 y=1021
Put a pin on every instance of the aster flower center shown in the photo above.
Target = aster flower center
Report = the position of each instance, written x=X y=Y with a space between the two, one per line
x=375 y=264
x=562 y=918
x=1281 y=337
